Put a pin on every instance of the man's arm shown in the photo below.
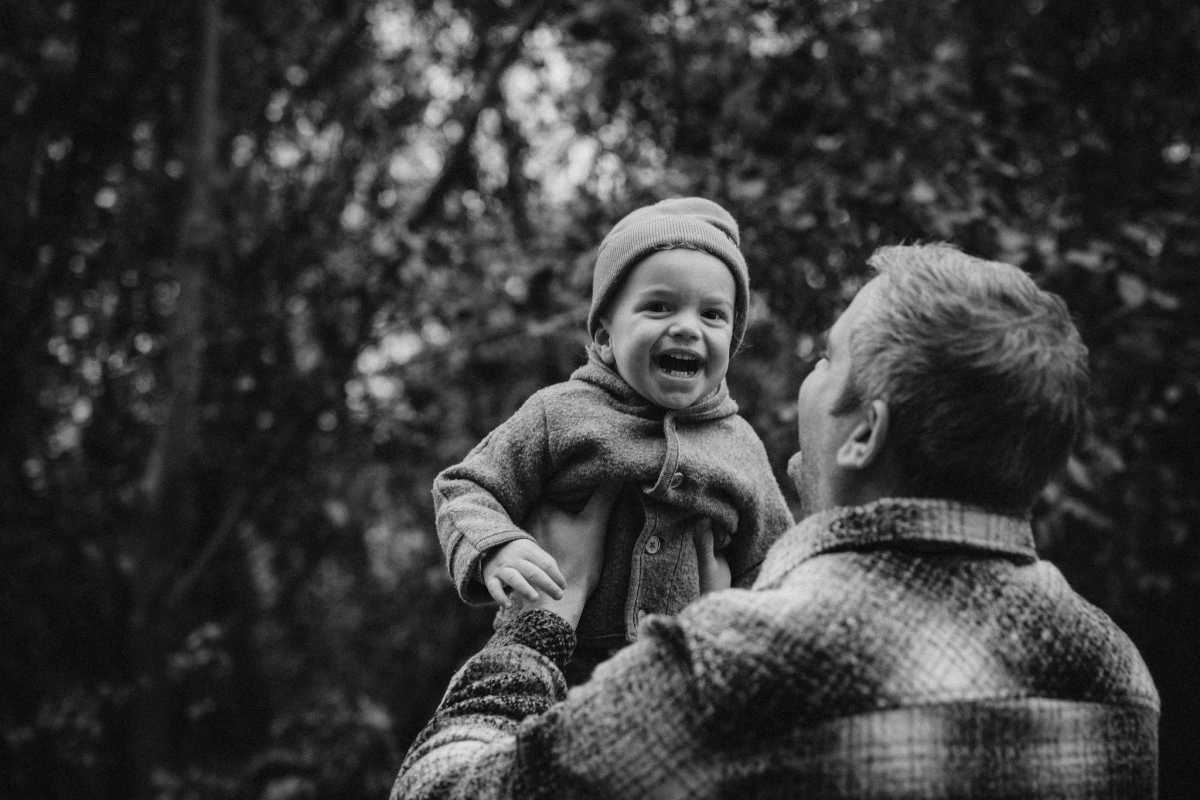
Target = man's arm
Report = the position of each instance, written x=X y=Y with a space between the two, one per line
x=504 y=728
x=469 y=748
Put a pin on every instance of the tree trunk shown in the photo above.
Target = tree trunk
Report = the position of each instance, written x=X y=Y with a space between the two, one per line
x=168 y=511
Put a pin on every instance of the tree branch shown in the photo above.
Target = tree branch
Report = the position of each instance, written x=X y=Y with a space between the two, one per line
x=236 y=509
x=571 y=319
x=199 y=240
x=164 y=490
x=485 y=95
x=339 y=48
x=244 y=497
x=516 y=187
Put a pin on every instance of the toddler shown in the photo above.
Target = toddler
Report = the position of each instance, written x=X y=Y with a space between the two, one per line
x=650 y=410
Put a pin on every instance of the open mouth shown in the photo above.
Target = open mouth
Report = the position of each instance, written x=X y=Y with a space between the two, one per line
x=679 y=365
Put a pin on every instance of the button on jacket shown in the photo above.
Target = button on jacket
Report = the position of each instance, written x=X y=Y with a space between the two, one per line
x=677 y=468
x=907 y=648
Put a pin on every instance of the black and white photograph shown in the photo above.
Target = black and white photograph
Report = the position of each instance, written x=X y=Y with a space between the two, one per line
x=480 y=399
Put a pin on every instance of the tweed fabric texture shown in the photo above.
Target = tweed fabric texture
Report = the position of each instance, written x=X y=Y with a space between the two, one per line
x=688 y=222
x=908 y=648
x=678 y=469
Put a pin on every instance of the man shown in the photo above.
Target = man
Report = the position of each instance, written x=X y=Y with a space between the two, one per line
x=902 y=641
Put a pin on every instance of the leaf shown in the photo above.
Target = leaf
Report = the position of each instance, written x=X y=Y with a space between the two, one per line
x=750 y=189
x=1165 y=300
x=1073 y=507
x=1091 y=260
x=922 y=192
x=1079 y=474
x=1132 y=290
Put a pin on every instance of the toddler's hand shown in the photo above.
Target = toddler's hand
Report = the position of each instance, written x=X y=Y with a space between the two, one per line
x=524 y=568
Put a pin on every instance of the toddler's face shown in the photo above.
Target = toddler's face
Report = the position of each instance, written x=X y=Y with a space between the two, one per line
x=669 y=327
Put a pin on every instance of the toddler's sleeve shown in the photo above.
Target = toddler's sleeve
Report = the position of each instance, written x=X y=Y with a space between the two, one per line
x=480 y=502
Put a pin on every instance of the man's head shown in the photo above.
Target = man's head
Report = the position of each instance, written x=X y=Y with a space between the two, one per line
x=948 y=376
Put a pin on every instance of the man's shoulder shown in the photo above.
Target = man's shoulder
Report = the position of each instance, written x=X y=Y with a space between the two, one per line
x=763 y=654
x=862 y=628
x=757 y=622
x=1088 y=650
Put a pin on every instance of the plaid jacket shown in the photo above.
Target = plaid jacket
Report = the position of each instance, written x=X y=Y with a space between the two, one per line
x=899 y=649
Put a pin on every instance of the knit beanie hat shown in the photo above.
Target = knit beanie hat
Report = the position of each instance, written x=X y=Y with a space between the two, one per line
x=683 y=222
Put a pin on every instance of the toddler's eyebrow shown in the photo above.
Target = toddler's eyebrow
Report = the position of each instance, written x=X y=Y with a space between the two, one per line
x=659 y=288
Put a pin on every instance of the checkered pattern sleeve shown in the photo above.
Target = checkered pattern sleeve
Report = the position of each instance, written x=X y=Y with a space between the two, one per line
x=505 y=730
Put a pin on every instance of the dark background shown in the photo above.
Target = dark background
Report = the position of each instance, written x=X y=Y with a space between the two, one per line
x=266 y=266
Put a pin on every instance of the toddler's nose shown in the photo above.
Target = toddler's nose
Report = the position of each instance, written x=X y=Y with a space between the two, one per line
x=683 y=328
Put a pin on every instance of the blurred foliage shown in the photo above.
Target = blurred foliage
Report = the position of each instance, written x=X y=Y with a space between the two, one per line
x=221 y=577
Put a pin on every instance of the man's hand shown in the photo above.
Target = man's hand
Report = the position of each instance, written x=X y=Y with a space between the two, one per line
x=576 y=541
x=714 y=567
x=523 y=568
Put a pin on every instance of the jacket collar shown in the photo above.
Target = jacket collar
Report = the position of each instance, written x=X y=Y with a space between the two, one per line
x=624 y=398
x=899 y=524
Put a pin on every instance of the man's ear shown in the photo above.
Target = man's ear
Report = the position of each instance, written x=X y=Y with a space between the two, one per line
x=603 y=342
x=866 y=439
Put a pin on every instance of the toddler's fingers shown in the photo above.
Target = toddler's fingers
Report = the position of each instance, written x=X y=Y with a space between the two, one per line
x=496 y=590
x=549 y=567
x=517 y=582
x=544 y=582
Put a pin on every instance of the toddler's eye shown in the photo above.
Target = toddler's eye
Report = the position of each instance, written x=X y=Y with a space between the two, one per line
x=716 y=314
x=656 y=307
